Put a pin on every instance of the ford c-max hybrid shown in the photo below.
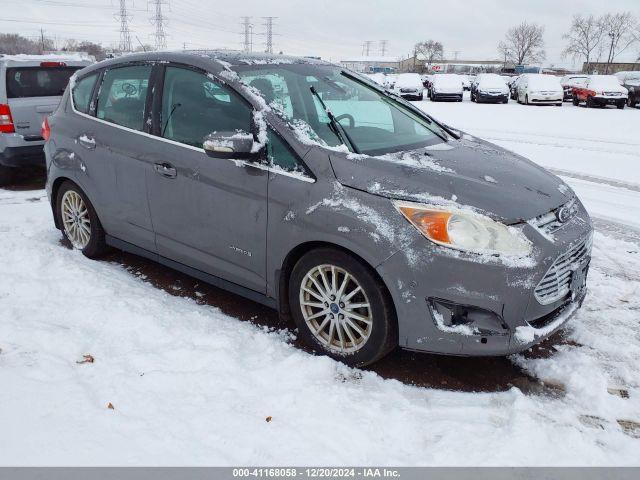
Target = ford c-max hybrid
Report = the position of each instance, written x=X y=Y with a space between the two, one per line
x=309 y=188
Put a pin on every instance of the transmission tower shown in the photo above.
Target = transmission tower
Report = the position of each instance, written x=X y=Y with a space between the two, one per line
x=366 y=48
x=125 y=34
x=383 y=47
x=158 y=21
x=246 y=32
x=269 y=34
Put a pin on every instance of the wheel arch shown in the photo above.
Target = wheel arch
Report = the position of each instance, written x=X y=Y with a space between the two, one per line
x=283 y=274
x=55 y=188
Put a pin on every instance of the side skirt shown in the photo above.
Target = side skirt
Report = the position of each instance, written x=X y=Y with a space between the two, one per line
x=192 y=272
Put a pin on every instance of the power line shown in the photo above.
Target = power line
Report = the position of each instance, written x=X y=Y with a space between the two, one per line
x=366 y=48
x=125 y=34
x=269 y=34
x=158 y=21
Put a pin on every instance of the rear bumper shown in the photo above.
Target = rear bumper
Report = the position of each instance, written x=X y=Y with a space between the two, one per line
x=29 y=156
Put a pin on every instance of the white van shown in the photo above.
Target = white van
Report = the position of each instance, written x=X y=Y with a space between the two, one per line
x=31 y=87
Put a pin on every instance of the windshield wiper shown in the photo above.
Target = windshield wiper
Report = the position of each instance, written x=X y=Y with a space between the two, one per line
x=335 y=126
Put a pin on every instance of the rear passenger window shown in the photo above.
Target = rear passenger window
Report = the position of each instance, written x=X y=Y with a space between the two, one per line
x=194 y=105
x=123 y=95
x=82 y=93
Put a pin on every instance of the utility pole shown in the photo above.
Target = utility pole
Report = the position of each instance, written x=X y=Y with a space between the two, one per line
x=269 y=34
x=612 y=35
x=41 y=41
x=158 y=21
x=383 y=47
x=125 y=34
x=247 y=42
x=455 y=55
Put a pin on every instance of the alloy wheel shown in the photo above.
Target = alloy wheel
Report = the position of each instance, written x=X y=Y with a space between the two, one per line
x=336 y=309
x=75 y=219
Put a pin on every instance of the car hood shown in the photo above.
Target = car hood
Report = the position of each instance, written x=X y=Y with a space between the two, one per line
x=469 y=172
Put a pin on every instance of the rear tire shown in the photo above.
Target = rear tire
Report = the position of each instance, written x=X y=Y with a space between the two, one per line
x=355 y=328
x=79 y=222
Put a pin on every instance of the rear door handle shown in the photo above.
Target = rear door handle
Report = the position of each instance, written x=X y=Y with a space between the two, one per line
x=165 y=169
x=87 y=141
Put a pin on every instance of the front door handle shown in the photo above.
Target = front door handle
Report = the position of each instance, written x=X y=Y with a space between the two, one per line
x=166 y=170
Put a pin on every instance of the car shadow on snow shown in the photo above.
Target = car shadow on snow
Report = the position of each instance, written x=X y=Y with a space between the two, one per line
x=413 y=368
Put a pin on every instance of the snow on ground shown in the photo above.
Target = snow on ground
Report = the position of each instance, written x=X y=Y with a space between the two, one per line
x=191 y=385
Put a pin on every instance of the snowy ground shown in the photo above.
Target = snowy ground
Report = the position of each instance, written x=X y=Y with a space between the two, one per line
x=191 y=385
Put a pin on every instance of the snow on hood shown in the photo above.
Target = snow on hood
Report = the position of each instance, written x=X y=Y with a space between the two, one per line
x=409 y=80
x=609 y=83
x=544 y=82
x=475 y=173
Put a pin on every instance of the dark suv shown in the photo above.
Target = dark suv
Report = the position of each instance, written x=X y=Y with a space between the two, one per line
x=310 y=189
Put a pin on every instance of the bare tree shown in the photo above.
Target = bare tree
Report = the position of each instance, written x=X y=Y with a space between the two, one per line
x=619 y=27
x=523 y=43
x=430 y=50
x=584 y=39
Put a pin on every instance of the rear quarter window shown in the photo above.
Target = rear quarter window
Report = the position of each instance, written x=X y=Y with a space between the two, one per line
x=82 y=93
x=24 y=82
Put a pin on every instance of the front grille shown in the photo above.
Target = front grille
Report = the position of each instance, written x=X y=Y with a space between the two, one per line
x=555 y=285
x=612 y=94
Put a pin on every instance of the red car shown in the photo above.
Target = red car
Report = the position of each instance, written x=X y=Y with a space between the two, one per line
x=600 y=90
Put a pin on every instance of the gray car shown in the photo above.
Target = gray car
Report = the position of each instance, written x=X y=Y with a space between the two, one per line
x=311 y=189
x=30 y=89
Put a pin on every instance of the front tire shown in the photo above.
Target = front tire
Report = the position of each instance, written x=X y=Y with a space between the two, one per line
x=575 y=101
x=341 y=308
x=79 y=222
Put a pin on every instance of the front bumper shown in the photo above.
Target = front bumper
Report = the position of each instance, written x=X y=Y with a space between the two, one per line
x=447 y=95
x=510 y=319
x=605 y=100
x=545 y=99
x=488 y=97
x=411 y=95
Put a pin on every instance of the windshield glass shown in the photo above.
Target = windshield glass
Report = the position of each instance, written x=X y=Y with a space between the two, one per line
x=38 y=81
x=375 y=123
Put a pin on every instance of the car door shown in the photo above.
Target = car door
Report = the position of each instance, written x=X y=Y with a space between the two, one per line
x=209 y=214
x=118 y=141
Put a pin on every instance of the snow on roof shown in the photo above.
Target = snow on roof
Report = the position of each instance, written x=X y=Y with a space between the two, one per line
x=52 y=57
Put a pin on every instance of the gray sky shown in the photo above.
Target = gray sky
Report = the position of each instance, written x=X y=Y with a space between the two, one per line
x=333 y=29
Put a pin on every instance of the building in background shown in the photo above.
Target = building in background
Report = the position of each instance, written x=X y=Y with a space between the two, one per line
x=371 y=64
x=601 y=67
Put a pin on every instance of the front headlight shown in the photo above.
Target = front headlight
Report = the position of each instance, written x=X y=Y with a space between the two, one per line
x=465 y=230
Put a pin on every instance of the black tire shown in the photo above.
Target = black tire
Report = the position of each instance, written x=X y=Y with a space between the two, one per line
x=6 y=176
x=590 y=103
x=621 y=105
x=558 y=104
x=631 y=101
x=575 y=100
x=526 y=99
x=97 y=246
x=506 y=100
x=383 y=337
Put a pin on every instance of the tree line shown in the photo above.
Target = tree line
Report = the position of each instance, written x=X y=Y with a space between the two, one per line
x=590 y=39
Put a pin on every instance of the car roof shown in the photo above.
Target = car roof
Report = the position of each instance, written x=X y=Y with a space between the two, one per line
x=71 y=60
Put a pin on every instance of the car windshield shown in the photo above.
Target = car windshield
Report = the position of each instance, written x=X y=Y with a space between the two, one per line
x=447 y=81
x=491 y=81
x=604 y=81
x=544 y=82
x=374 y=122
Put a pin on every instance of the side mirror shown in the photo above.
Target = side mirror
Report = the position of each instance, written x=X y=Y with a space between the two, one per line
x=238 y=145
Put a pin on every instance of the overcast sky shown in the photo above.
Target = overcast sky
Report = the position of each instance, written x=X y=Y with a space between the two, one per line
x=332 y=29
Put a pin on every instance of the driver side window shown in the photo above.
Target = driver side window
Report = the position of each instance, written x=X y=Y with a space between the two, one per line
x=123 y=95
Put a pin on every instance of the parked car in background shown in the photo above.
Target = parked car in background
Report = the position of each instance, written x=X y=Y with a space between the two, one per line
x=379 y=78
x=568 y=82
x=631 y=81
x=513 y=87
x=390 y=80
x=466 y=82
x=489 y=87
x=409 y=86
x=195 y=160
x=30 y=89
x=446 y=86
x=624 y=76
x=541 y=90
x=600 y=91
